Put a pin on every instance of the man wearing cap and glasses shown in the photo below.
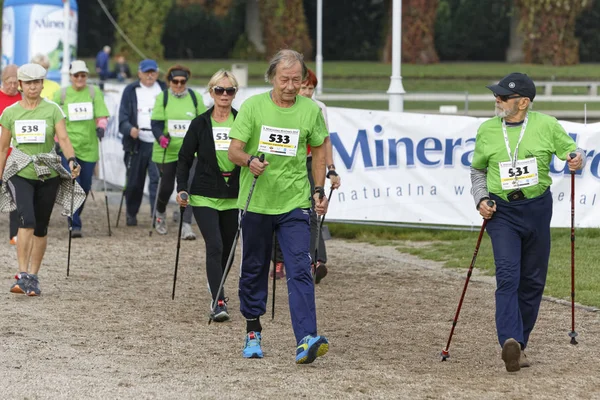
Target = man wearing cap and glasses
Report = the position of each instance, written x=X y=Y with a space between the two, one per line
x=511 y=165
x=87 y=118
x=135 y=125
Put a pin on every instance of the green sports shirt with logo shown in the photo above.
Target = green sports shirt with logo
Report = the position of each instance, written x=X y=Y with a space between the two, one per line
x=177 y=117
x=81 y=111
x=21 y=121
x=225 y=165
x=543 y=138
x=284 y=184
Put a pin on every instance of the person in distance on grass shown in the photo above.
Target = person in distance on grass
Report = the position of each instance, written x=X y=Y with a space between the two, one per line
x=319 y=266
x=32 y=179
x=215 y=185
x=280 y=124
x=87 y=118
x=9 y=95
x=511 y=165
x=174 y=110
x=135 y=126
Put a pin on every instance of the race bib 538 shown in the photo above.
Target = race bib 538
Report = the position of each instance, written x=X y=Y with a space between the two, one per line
x=30 y=131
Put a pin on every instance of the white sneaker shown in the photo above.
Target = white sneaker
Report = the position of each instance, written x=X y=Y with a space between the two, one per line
x=161 y=223
x=186 y=232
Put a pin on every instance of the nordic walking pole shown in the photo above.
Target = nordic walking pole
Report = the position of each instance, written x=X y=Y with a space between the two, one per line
x=274 y=274
x=70 y=221
x=235 y=240
x=573 y=334
x=319 y=227
x=160 y=173
x=445 y=354
x=124 y=187
x=184 y=197
x=102 y=164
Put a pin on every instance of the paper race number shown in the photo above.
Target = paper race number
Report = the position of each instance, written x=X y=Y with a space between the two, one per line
x=280 y=141
x=30 y=131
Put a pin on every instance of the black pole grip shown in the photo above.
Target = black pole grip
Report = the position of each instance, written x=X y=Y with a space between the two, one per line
x=490 y=203
x=573 y=155
x=183 y=196
x=262 y=158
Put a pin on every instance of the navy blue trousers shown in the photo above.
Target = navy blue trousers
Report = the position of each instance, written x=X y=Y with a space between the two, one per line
x=140 y=163
x=520 y=233
x=293 y=234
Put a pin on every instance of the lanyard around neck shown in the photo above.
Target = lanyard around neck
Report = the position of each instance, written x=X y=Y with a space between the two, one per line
x=513 y=158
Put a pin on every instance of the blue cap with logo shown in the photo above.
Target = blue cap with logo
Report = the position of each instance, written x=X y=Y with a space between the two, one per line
x=515 y=83
x=148 y=65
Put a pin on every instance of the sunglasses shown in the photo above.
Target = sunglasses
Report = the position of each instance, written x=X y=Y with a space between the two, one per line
x=179 y=81
x=505 y=97
x=220 y=90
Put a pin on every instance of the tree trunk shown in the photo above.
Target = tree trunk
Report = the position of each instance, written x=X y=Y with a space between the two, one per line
x=143 y=22
x=284 y=26
x=549 y=30
x=253 y=25
x=515 y=53
x=418 y=32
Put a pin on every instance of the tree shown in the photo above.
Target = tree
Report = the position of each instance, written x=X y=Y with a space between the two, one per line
x=284 y=26
x=418 y=32
x=549 y=30
x=143 y=22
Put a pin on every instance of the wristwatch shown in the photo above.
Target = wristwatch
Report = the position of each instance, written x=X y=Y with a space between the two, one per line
x=250 y=160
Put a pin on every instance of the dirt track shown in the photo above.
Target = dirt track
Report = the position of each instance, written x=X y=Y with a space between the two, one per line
x=111 y=330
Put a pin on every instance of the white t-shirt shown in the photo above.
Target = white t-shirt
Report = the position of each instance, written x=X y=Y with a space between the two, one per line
x=146 y=97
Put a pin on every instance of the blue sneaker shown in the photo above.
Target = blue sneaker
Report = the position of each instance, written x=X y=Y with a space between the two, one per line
x=252 y=347
x=22 y=283
x=310 y=348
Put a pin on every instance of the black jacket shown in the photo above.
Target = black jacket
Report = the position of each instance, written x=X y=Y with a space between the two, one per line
x=208 y=180
x=128 y=112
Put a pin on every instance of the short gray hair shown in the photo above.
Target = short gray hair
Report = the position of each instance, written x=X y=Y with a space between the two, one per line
x=289 y=58
x=41 y=59
x=220 y=74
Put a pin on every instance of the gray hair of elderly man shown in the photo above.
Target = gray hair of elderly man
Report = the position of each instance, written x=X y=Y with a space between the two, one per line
x=9 y=71
x=287 y=58
x=42 y=60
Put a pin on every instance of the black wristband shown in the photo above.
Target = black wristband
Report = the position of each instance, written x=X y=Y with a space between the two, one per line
x=71 y=159
x=320 y=190
x=331 y=173
x=250 y=160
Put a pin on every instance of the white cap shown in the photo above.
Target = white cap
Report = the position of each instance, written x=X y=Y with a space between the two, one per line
x=78 y=66
x=31 y=72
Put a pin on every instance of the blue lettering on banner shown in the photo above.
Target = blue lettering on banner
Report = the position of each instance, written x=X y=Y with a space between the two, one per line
x=428 y=152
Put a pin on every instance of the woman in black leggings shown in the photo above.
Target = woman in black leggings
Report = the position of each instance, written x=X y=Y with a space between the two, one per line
x=214 y=190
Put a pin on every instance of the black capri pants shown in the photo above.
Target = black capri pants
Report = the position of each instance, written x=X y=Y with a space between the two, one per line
x=35 y=201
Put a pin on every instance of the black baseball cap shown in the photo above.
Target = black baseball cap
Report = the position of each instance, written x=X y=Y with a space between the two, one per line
x=515 y=83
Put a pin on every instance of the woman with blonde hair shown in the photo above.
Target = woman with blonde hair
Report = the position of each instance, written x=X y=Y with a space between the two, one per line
x=214 y=190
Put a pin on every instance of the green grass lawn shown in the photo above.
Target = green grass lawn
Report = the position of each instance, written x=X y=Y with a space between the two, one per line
x=455 y=249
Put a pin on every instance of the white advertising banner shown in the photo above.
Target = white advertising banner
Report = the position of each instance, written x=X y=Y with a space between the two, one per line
x=414 y=168
x=410 y=168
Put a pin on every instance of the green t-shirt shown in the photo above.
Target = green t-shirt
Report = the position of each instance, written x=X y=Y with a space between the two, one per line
x=81 y=112
x=23 y=126
x=177 y=116
x=225 y=166
x=543 y=137
x=284 y=185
